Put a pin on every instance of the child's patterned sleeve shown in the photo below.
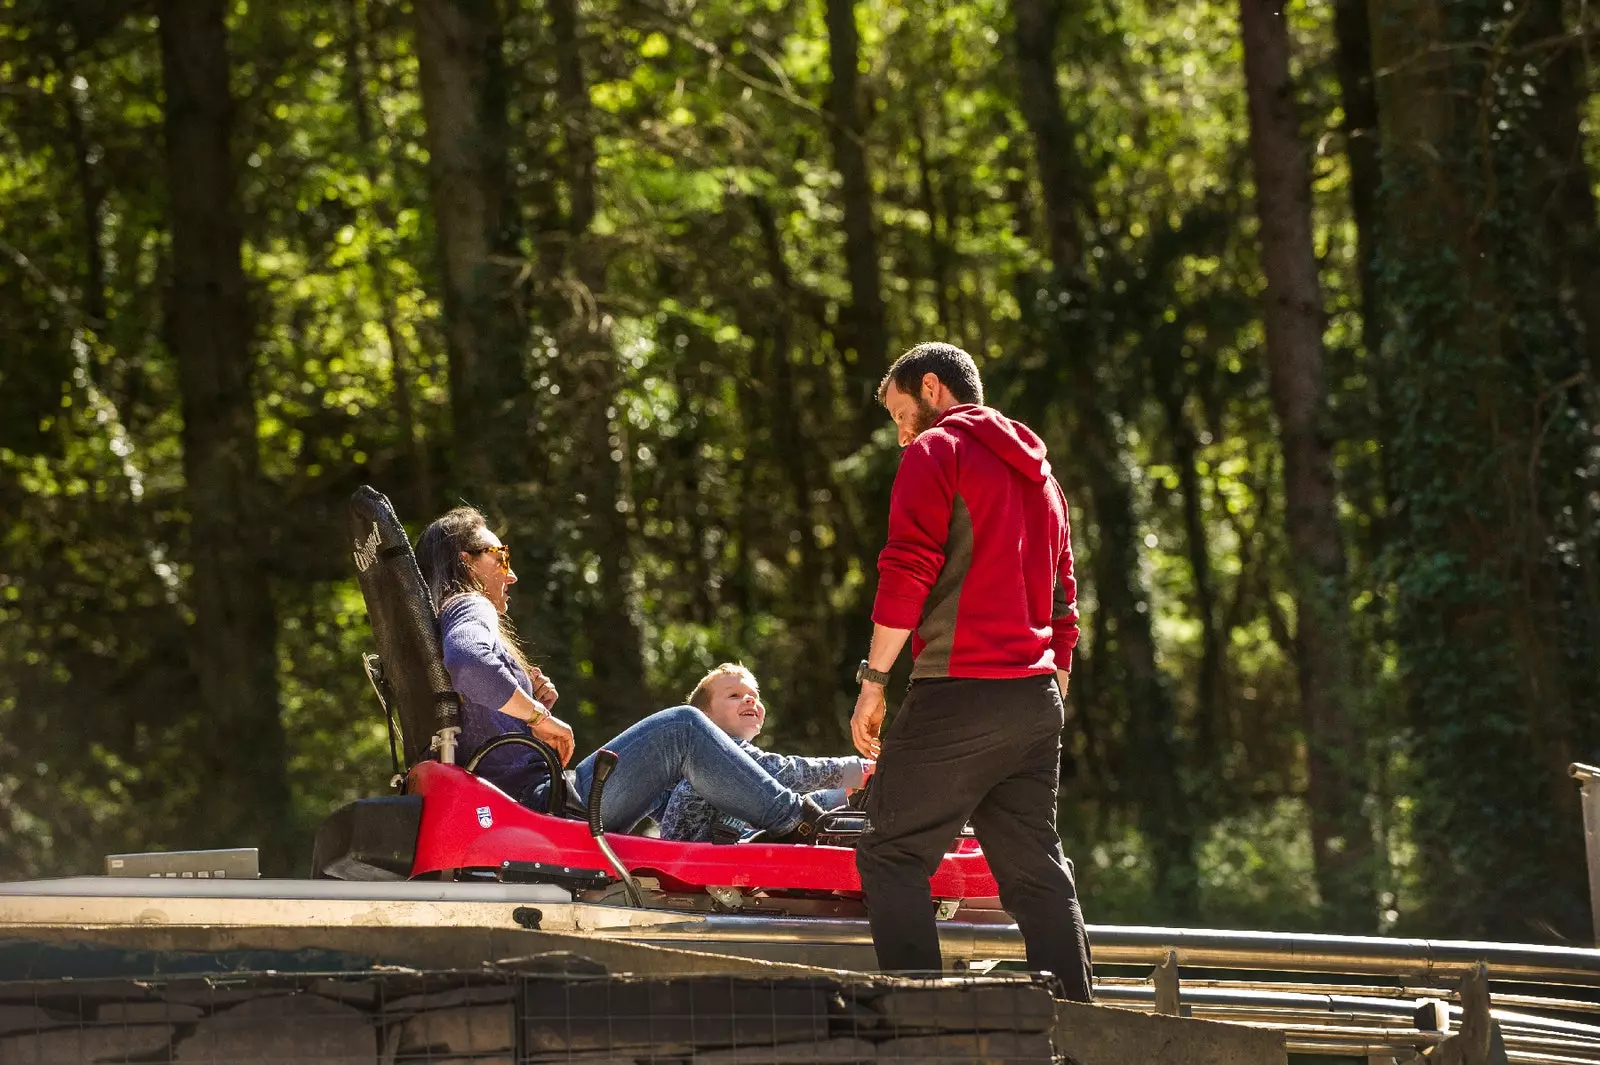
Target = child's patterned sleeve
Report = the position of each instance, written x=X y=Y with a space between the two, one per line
x=688 y=815
x=812 y=774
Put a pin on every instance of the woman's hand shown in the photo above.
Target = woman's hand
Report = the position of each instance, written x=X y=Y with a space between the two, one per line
x=544 y=689
x=552 y=730
x=558 y=734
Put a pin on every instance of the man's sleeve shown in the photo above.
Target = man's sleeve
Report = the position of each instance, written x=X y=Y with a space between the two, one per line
x=919 y=526
x=1064 y=607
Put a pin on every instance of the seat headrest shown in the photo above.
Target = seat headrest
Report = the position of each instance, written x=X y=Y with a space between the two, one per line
x=403 y=623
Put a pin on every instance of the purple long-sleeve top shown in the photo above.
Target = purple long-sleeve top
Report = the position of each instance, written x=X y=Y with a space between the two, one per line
x=485 y=675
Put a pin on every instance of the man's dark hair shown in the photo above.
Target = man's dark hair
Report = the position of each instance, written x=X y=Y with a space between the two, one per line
x=952 y=366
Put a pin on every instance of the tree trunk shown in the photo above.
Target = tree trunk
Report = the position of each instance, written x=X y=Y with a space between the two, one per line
x=1568 y=185
x=1186 y=457
x=234 y=636
x=422 y=497
x=1165 y=816
x=612 y=634
x=867 y=340
x=792 y=448
x=789 y=433
x=1341 y=837
x=1572 y=230
x=1494 y=622
x=938 y=244
x=742 y=581
x=461 y=73
x=92 y=199
x=1353 y=60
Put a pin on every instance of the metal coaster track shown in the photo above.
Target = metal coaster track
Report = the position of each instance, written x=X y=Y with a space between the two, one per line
x=1544 y=998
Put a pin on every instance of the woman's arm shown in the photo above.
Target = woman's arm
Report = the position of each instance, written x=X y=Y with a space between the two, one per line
x=469 y=638
x=469 y=631
x=545 y=725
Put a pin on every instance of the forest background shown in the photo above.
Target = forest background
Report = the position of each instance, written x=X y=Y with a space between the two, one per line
x=1305 y=300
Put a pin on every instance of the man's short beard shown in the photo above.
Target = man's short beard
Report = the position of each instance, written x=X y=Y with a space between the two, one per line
x=927 y=414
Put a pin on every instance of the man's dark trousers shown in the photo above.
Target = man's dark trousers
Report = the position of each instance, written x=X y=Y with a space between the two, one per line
x=988 y=751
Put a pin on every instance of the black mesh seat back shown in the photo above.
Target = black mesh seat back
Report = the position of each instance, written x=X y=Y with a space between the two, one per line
x=403 y=623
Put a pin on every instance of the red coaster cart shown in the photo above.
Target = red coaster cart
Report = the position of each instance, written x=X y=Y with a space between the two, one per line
x=448 y=823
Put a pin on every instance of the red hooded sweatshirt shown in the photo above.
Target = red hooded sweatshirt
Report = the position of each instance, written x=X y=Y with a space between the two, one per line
x=979 y=558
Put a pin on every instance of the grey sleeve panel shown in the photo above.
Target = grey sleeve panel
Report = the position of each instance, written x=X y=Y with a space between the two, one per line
x=1060 y=605
x=938 y=628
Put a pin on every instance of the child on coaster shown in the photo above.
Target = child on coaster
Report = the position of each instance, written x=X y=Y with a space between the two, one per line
x=731 y=699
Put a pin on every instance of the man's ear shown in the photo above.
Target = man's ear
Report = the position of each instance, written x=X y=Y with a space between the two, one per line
x=930 y=387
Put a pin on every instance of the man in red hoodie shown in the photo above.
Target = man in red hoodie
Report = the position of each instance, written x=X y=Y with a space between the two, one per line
x=978 y=572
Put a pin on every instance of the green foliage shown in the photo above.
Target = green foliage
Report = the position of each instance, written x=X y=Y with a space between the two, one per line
x=753 y=486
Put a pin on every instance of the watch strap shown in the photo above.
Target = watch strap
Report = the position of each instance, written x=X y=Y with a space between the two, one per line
x=866 y=672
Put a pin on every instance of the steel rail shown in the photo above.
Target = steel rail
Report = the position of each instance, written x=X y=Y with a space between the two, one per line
x=1540 y=1045
x=1313 y=1038
x=1381 y=1051
x=1423 y=960
x=1340 y=1006
x=1237 y=996
x=1367 y=1027
x=1362 y=1021
x=1367 y=1030
x=1392 y=1037
x=1502 y=999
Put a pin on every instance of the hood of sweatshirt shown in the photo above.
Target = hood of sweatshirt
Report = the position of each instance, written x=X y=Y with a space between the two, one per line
x=1014 y=442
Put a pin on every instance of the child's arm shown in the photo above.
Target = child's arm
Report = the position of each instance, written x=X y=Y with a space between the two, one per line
x=798 y=773
x=688 y=816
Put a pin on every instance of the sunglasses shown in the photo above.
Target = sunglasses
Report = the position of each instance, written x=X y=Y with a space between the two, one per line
x=503 y=553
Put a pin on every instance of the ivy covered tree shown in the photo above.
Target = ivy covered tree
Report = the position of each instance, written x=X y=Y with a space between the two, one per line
x=1492 y=454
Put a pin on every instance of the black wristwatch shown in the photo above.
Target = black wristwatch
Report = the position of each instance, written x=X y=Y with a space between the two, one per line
x=866 y=672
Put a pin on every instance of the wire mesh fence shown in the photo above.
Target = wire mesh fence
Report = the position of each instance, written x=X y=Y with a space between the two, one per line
x=513 y=1018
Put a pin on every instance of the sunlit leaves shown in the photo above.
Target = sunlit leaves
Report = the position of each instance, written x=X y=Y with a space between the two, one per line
x=755 y=487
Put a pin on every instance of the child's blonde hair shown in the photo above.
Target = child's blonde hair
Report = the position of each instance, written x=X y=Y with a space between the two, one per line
x=699 y=696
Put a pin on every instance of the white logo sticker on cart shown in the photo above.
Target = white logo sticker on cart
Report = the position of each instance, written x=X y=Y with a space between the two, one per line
x=485 y=817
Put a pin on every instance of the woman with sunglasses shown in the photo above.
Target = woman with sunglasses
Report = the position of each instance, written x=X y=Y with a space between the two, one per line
x=468 y=571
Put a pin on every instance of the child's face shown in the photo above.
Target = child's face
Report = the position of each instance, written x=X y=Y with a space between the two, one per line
x=735 y=706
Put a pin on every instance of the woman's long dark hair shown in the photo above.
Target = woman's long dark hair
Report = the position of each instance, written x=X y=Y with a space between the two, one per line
x=449 y=576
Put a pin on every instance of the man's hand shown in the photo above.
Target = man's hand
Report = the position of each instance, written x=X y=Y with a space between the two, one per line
x=544 y=690
x=558 y=734
x=867 y=721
